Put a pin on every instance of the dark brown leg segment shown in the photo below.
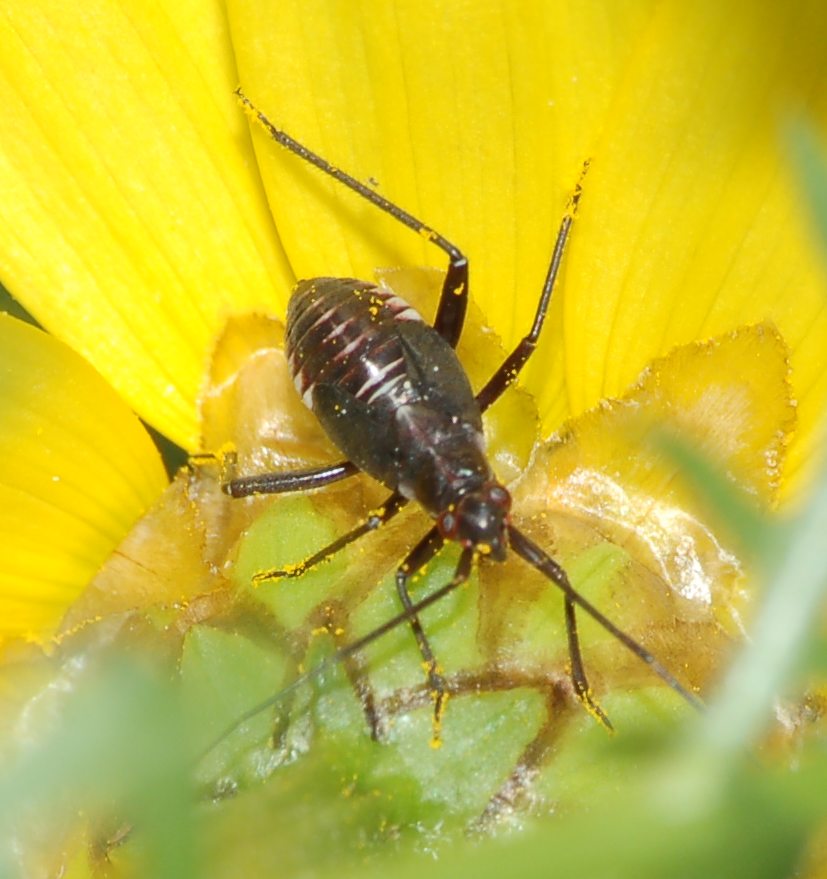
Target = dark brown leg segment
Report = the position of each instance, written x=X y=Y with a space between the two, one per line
x=391 y=506
x=417 y=558
x=454 y=300
x=293 y=480
x=517 y=359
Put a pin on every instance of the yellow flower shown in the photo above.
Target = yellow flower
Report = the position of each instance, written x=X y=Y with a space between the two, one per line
x=136 y=224
x=135 y=221
x=140 y=214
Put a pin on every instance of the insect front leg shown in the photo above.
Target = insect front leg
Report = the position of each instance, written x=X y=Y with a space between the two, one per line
x=335 y=620
x=579 y=681
x=375 y=519
x=461 y=574
x=417 y=558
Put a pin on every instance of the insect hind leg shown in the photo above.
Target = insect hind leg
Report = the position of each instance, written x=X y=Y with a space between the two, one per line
x=453 y=301
x=450 y=315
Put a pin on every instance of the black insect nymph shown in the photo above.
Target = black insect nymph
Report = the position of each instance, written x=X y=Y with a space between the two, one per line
x=391 y=393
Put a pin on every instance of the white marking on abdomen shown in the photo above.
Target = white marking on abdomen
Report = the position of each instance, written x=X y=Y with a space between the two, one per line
x=307 y=397
x=321 y=319
x=339 y=329
x=386 y=388
x=401 y=310
x=351 y=346
x=377 y=375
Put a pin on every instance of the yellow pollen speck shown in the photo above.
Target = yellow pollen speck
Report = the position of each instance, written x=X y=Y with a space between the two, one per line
x=593 y=709
x=440 y=700
x=419 y=573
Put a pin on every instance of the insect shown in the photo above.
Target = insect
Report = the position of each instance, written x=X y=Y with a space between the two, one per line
x=390 y=392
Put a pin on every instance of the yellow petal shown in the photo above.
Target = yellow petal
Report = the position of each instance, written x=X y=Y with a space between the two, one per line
x=76 y=470
x=133 y=219
x=690 y=225
x=475 y=117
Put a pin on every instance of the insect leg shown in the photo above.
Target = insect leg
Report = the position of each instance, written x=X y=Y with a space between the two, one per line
x=517 y=359
x=294 y=480
x=578 y=672
x=454 y=299
x=417 y=558
x=384 y=513
x=537 y=558
x=461 y=574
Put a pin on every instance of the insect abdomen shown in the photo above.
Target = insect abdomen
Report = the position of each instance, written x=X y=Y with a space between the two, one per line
x=339 y=333
x=386 y=387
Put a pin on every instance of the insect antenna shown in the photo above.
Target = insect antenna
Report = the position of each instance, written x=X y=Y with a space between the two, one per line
x=461 y=574
x=543 y=562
